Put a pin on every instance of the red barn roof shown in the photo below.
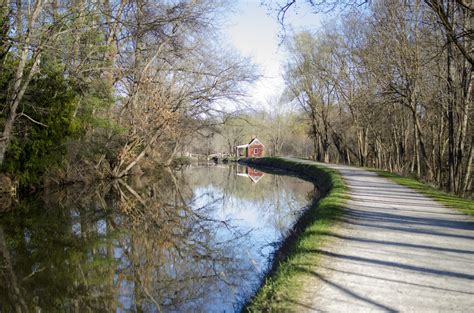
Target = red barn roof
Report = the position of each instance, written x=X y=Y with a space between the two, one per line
x=255 y=141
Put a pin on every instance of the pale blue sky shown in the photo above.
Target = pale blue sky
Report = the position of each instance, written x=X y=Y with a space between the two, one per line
x=254 y=33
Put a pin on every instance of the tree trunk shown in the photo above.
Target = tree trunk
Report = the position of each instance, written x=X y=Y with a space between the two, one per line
x=362 y=136
x=22 y=78
x=315 y=135
x=450 y=114
x=467 y=176
x=451 y=165
x=467 y=89
x=17 y=95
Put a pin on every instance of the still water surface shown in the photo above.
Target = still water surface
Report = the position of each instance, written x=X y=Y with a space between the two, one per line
x=197 y=240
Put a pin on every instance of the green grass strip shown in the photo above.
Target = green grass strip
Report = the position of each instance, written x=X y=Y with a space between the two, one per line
x=299 y=256
x=447 y=199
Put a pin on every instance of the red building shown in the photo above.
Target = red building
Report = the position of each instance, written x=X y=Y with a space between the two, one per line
x=253 y=149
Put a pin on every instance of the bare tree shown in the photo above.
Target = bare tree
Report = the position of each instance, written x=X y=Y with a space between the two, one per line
x=408 y=112
x=29 y=37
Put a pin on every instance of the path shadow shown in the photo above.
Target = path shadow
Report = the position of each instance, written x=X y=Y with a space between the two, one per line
x=393 y=243
x=385 y=217
x=407 y=267
x=397 y=281
x=406 y=229
x=346 y=290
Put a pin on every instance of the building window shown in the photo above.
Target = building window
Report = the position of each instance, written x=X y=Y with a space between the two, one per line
x=255 y=151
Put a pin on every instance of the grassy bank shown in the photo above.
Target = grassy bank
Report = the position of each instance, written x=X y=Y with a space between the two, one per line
x=449 y=200
x=296 y=258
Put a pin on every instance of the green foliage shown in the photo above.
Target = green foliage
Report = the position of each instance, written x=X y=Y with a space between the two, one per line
x=280 y=289
x=56 y=108
x=6 y=77
x=45 y=121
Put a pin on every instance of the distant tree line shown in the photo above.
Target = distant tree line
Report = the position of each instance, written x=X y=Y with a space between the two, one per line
x=100 y=85
x=390 y=86
x=283 y=131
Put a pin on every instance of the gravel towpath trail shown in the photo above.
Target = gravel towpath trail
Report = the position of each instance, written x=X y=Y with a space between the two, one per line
x=395 y=250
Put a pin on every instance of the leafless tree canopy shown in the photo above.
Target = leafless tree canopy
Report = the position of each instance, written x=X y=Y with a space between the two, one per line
x=390 y=86
x=147 y=70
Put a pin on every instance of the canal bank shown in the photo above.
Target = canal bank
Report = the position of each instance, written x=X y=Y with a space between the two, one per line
x=296 y=256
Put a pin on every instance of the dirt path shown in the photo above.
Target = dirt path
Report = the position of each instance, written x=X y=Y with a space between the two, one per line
x=395 y=250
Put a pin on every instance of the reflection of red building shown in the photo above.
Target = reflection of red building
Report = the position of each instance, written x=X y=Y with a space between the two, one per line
x=254 y=175
x=253 y=149
x=249 y=172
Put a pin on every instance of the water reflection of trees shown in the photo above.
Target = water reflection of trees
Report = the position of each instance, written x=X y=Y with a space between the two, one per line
x=277 y=198
x=132 y=245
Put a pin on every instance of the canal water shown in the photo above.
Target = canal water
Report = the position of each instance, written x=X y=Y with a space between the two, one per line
x=196 y=240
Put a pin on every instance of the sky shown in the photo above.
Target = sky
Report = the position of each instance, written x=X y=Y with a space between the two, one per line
x=254 y=32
